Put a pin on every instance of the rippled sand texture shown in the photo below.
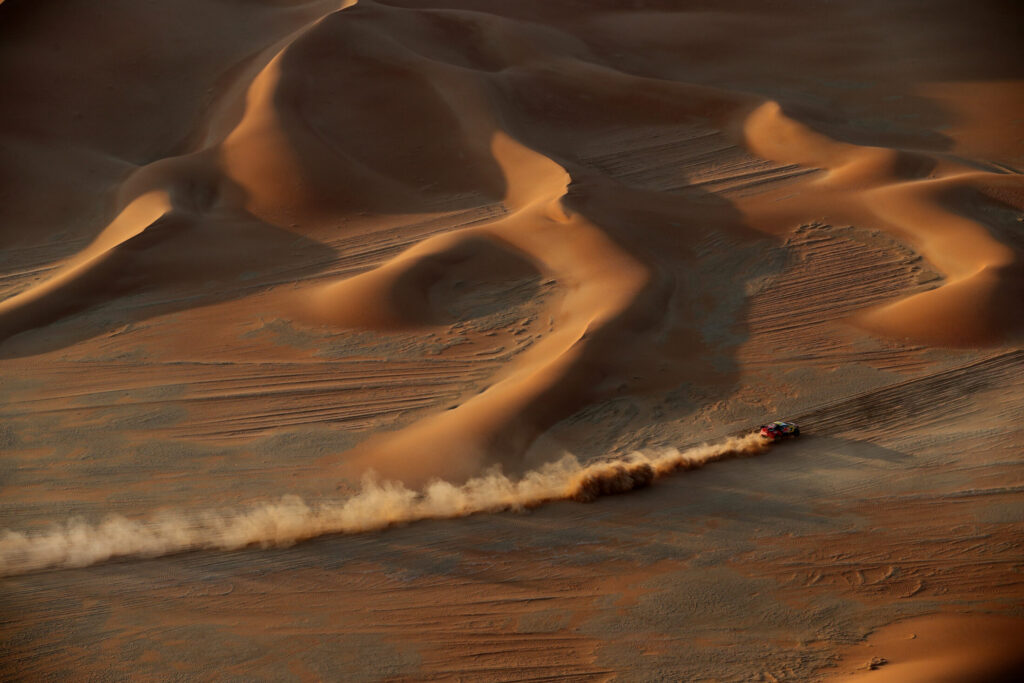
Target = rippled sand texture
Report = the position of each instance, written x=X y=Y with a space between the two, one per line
x=260 y=249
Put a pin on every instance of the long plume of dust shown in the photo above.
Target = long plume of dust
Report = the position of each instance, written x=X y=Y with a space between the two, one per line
x=378 y=504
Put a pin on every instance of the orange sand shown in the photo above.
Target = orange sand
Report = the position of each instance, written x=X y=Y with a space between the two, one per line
x=943 y=648
x=256 y=249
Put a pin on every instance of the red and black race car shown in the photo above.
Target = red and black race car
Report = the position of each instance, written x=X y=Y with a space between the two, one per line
x=777 y=430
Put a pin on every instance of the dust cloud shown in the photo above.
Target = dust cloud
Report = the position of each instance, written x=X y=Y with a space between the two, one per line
x=378 y=505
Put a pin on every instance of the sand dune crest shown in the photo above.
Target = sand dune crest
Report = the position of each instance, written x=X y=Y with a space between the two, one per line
x=984 y=276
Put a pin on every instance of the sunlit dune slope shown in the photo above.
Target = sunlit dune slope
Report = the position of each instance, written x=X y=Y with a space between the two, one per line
x=341 y=113
x=911 y=194
x=254 y=248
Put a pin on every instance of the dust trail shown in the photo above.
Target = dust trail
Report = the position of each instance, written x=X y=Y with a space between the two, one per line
x=379 y=504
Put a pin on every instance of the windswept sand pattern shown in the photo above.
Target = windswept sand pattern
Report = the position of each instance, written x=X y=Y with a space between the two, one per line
x=888 y=567
x=837 y=272
x=27 y=266
x=925 y=400
x=373 y=252
x=355 y=395
x=357 y=252
x=802 y=313
x=680 y=157
x=909 y=192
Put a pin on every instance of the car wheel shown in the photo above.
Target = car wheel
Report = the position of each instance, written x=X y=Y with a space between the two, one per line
x=796 y=432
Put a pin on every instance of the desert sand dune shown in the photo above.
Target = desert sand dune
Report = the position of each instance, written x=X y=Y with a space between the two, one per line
x=985 y=277
x=277 y=271
x=946 y=648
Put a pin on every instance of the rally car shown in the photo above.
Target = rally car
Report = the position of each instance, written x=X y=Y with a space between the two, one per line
x=777 y=430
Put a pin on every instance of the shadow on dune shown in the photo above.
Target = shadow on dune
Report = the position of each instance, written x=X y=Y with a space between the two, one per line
x=681 y=329
x=391 y=108
x=370 y=109
x=176 y=263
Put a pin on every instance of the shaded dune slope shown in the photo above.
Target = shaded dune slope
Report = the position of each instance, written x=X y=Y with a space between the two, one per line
x=909 y=193
x=372 y=110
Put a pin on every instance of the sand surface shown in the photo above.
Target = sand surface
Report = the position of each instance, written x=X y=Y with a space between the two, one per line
x=508 y=257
